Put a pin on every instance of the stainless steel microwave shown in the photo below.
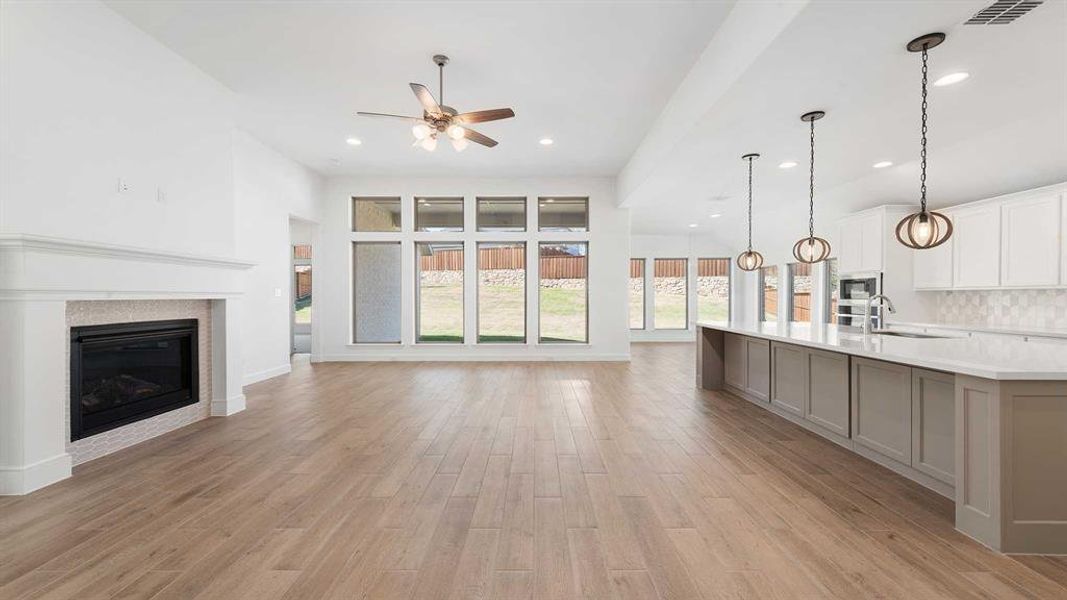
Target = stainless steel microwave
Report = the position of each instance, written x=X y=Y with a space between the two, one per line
x=853 y=291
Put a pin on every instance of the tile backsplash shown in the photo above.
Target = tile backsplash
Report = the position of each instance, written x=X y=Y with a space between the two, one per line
x=1040 y=309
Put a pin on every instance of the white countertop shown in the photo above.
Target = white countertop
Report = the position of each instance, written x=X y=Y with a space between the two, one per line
x=988 y=357
x=1005 y=330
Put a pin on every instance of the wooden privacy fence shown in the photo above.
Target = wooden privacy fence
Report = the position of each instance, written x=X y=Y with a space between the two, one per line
x=508 y=257
x=676 y=267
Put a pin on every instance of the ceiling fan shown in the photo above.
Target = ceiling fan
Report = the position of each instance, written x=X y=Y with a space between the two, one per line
x=440 y=118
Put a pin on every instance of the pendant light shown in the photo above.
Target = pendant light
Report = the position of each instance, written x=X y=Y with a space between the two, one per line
x=926 y=228
x=750 y=260
x=811 y=249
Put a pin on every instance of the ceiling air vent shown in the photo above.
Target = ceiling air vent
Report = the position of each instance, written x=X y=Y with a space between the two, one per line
x=1003 y=12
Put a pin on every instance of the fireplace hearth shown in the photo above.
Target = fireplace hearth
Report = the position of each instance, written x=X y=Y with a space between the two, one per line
x=123 y=373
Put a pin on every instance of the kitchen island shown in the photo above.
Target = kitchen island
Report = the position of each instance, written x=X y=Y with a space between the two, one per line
x=978 y=419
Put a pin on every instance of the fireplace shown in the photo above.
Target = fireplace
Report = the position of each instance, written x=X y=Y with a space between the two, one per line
x=126 y=372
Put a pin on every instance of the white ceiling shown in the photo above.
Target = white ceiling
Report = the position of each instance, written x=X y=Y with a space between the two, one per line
x=593 y=76
x=1002 y=130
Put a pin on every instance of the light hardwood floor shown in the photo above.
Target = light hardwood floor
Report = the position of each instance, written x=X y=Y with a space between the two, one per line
x=497 y=480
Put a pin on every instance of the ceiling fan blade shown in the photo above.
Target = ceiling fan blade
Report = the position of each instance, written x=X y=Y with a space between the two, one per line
x=481 y=116
x=388 y=116
x=426 y=98
x=478 y=138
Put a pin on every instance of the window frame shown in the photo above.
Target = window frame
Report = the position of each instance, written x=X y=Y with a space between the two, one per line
x=542 y=200
x=829 y=289
x=540 y=334
x=460 y=200
x=655 y=326
x=418 y=294
x=352 y=293
x=353 y=226
x=478 y=200
x=644 y=294
x=525 y=289
x=729 y=285
x=762 y=294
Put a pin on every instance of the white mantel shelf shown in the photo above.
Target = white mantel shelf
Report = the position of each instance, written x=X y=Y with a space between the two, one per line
x=1005 y=359
x=85 y=248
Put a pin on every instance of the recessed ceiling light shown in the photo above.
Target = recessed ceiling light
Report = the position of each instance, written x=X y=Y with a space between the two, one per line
x=882 y=164
x=692 y=224
x=547 y=141
x=951 y=78
x=787 y=165
x=354 y=141
x=716 y=216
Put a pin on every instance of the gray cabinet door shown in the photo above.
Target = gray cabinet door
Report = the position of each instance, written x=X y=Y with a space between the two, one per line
x=881 y=407
x=828 y=391
x=758 y=368
x=734 y=369
x=933 y=426
x=789 y=377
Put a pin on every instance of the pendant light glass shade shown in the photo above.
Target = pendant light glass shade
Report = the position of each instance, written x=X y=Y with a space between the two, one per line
x=926 y=228
x=749 y=260
x=811 y=249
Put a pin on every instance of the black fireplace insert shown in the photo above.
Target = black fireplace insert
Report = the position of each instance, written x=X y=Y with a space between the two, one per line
x=125 y=372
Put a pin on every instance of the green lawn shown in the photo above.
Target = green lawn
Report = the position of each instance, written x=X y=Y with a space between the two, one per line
x=302 y=315
x=501 y=314
x=670 y=310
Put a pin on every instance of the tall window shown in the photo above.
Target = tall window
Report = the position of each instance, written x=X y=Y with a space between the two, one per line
x=563 y=214
x=439 y=294
x=376 y=292
x=438 y=214
x=501 y=214
x=375 y=214
x=832 y=280
x=769 y=293
x=671 y=283
x=713 y=289
x=502 y=292
x=563 y=292
x=637 y=293
x=800 y=292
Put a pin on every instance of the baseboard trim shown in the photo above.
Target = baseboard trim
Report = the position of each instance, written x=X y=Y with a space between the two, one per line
x=18 y=481
x=228 y=406
x=266 y=374
x=454 y=358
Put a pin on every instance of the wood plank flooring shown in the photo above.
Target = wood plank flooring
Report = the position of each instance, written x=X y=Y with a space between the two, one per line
x=497 y=480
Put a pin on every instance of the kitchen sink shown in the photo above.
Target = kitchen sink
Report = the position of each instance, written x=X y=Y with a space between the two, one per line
x=907 y=334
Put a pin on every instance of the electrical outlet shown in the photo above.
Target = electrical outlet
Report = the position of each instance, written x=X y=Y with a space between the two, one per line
x=161 y=196
x=124 y=186
x=277 y=292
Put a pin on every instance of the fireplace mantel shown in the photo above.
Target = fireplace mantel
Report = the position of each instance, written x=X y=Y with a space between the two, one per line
x=38 y=276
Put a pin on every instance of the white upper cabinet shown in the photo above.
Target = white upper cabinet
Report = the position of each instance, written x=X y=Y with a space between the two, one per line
x=1030 y=237
x=861 y=238
x=976 y=247
x=932 y=268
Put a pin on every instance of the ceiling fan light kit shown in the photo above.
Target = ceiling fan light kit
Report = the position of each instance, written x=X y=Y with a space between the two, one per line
x=926 y=228
x=811 y=249
x=749 y=260
x=439 y=118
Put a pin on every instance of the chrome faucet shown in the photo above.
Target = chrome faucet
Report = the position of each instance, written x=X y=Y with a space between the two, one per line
x=868 y=317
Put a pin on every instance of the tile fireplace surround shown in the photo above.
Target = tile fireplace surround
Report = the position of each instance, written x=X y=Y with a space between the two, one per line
x=49 y=284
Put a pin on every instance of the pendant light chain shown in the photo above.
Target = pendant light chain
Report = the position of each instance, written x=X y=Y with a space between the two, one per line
x=750 y=204
x=811 y=184
x=922 y=176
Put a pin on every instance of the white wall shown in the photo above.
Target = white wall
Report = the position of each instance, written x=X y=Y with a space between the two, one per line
x=269 y=189
x=691 y=247
x=87 y=99
x=609 y=251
